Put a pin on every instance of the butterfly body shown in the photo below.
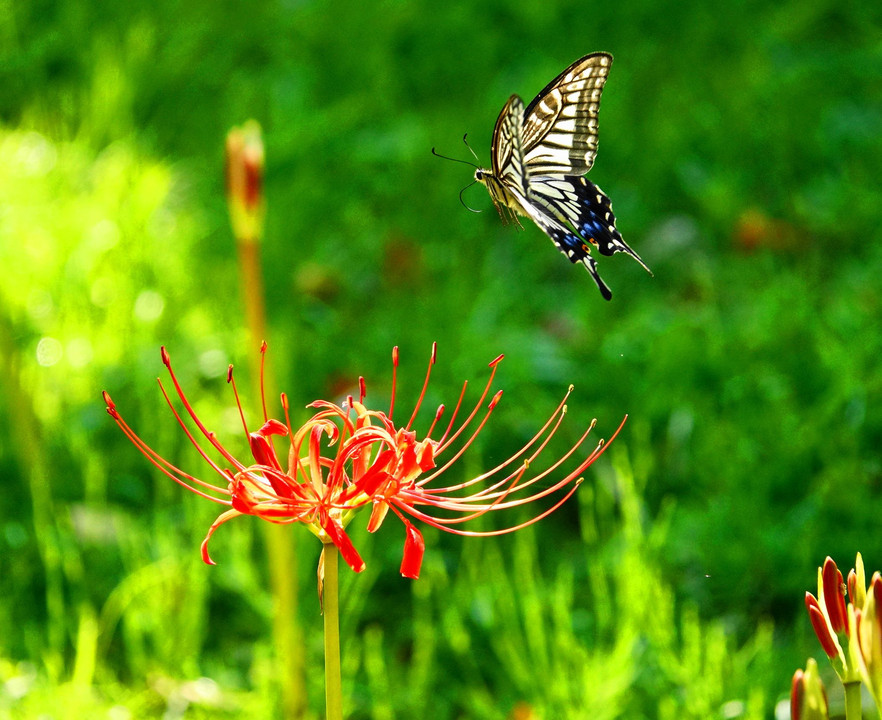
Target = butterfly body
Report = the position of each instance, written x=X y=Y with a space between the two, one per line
x=539 y=156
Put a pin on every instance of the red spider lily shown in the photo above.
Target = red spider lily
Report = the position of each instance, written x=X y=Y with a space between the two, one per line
x=365 y=459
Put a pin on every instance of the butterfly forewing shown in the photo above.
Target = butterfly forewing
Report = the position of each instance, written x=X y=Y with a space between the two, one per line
x=508 y=146
x=560 y=125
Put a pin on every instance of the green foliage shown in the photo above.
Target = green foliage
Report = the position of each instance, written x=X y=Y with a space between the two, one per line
x=740 y=147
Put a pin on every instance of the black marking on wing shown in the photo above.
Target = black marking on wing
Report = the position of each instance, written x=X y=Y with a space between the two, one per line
x=583 y=207
x=566 y=241
x=507 y=150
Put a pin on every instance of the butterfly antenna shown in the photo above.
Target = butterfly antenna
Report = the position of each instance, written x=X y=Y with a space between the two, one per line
x=463 y=201
x=464 y=162
x=474 y=154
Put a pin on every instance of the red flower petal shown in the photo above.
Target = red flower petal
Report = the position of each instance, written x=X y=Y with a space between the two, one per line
x=834 y=597
x=414 y=549
x=344 y=545
x=819 y=623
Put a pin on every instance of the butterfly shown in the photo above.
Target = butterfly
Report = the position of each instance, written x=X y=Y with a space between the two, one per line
x=539 y=156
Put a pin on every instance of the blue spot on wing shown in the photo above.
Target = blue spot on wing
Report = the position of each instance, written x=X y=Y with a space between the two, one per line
x=585 y=209
x=570 y=245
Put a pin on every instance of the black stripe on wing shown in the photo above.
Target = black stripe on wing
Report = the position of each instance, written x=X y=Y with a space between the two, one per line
x=566 y=241
x=585 y=208
x=560 y=124
x=507 y=150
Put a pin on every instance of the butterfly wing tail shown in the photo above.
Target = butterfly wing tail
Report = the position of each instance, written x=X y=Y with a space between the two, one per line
x=596 y=221
x=568 y=243
x=591 y=265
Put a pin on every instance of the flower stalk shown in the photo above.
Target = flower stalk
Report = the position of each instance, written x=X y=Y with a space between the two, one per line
x=331 y=613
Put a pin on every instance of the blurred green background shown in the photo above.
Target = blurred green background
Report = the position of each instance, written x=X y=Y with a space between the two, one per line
x=741 y=145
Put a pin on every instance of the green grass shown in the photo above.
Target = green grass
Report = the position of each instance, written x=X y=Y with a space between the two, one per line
x=740 y=148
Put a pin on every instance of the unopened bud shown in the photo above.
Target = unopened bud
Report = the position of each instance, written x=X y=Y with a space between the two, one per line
x=808 y=698
x=244 y=180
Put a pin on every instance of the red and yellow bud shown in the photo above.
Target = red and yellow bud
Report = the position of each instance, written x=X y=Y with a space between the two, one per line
x=833 y=620
x=808 y=698
x=244 y=180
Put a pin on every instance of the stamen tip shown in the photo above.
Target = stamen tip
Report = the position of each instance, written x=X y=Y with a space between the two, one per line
x=496 y=361
x=570 y=389
x=107 y=401
x=230 y=373
x=163 y=353
x=434 y=352
x=263 y=347
x=496 y=399
x=395 y=356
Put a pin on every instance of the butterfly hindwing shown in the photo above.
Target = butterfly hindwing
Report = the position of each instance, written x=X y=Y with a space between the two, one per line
x=567 y=241
x=583 y=207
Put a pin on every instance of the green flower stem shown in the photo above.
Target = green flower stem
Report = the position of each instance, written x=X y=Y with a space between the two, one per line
x=331 y=611
x=853 y=701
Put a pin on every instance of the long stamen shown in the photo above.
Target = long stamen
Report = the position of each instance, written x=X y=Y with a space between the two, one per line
x=462 y=427
x=466 y=444
x=489 y=473
x=438 y=413
x=489 y=491
x=232 y=381
x=596 y=453
x=263 y=347
x=210 y=436
x=504 y=531
x=455 y=413
x=166 y=360
x=471 y=512
x=179 y=476
x=425 y=385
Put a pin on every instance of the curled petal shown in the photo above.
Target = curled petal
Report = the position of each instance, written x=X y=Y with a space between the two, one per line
x=378 y=514
x=263 y=451
x=222 y=518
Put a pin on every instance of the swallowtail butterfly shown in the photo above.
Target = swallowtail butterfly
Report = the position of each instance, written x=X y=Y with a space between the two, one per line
x=539 y=157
